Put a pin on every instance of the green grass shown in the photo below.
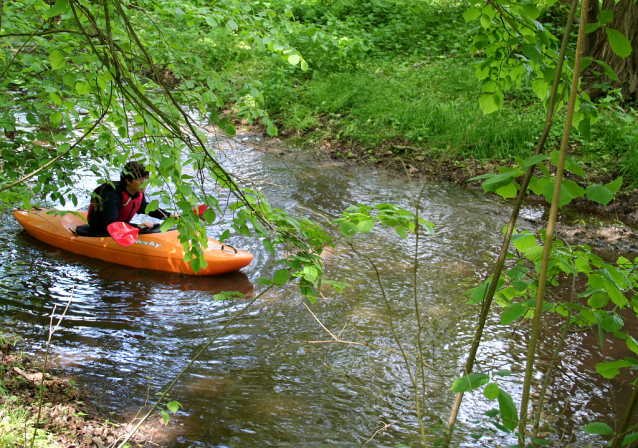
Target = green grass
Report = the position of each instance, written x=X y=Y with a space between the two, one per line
x=432 y=105
x=16 y=427
x=415 y=89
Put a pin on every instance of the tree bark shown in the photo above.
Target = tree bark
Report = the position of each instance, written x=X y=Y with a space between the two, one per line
x=625 y=21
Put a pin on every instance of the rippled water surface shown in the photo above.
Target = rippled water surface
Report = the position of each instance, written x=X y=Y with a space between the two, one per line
x=128 y=332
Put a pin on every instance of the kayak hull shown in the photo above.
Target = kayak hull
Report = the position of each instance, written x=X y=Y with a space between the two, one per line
x=156 y=251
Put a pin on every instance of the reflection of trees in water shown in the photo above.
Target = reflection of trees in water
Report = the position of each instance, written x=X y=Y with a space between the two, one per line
x=35 y=276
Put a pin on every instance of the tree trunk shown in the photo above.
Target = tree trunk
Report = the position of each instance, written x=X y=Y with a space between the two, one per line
x=625 y=21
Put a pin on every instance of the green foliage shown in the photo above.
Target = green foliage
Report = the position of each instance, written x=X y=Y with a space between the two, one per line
x=507 y=408
x=505 y=184
x=362 y=218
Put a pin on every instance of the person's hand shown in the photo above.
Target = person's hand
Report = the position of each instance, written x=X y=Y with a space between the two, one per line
x=148 y=224
x=174 y=215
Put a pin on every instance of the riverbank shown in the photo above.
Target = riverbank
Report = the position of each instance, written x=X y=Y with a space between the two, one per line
x=66 y=419
x=612 y=227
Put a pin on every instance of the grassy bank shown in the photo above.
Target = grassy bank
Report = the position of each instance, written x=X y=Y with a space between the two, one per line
x=413 y=92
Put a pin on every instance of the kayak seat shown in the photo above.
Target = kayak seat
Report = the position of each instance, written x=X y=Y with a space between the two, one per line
x=85 y=230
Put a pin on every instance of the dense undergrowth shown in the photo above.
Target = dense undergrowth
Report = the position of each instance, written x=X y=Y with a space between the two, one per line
x=400 y=73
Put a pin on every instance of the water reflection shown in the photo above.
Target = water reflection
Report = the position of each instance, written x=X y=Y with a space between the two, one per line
x=129 y=332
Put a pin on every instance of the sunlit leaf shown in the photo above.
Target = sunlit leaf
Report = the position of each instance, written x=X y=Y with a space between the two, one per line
x=57 y=60
x=614 y=185
x=294 y=59
x=58 y=8
x=611 y=369
x=469 y=382
x=491 y=391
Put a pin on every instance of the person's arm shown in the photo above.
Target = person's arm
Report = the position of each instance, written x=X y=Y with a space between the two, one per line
x=160 y=213
x=112 y=203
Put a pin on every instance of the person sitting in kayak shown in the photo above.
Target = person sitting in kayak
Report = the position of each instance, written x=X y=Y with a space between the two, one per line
x=120 y=201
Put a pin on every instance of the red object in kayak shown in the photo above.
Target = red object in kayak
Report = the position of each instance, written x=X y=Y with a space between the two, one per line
x=123 y=234
x=156 y=251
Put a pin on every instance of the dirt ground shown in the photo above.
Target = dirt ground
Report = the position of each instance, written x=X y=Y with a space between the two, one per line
x=67 y=413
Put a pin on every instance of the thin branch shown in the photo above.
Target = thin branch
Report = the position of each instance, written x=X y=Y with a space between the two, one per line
x=553 y=215
x=469 y=366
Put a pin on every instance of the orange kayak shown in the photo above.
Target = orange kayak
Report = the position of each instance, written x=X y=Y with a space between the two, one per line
x=157 y=251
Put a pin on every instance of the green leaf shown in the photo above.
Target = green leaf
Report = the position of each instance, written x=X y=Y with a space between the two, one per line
x=618 y=42
x=348 y=228
x=598 y=300
x=231 y=24
x=523 y=241
x=507 y=409
x=632 y=344
x=173 y=406
x=365 y=226
x=600 y=194
x=489 y=103
x=491 y=391
x=612 y=322
x=520 y=285
x=294 y=59
x=500 y=180
x=165 y=417
x=469 y=382
x=281 y=276
x=605 y=16
x=614 y=185
x=477 y=295
x=57 y=9
x=508 y=191
x=611 y=369
x=629 y=438
x=517 y=272
x=534 y=253
x=57 y=60
x=609 y=71
x=304 y=66
x=272 y=130
x=401 y=231
x=533 y=160
x=564 y=198
x=56 y=117
x=224 y=236
x=485 y=21
x=269 y=246
x=83 y=88
x=152 y=206
x=230 y=130
x=602 y=429
x=584 y=127
x=472 y=14
x=513 y=312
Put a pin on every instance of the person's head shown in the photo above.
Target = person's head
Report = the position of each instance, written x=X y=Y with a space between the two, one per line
x=133 y=176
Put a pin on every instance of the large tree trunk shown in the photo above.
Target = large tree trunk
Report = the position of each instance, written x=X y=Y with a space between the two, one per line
x=626 y=21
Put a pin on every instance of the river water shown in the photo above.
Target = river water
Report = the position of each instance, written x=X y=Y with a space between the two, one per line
x=128 y=332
